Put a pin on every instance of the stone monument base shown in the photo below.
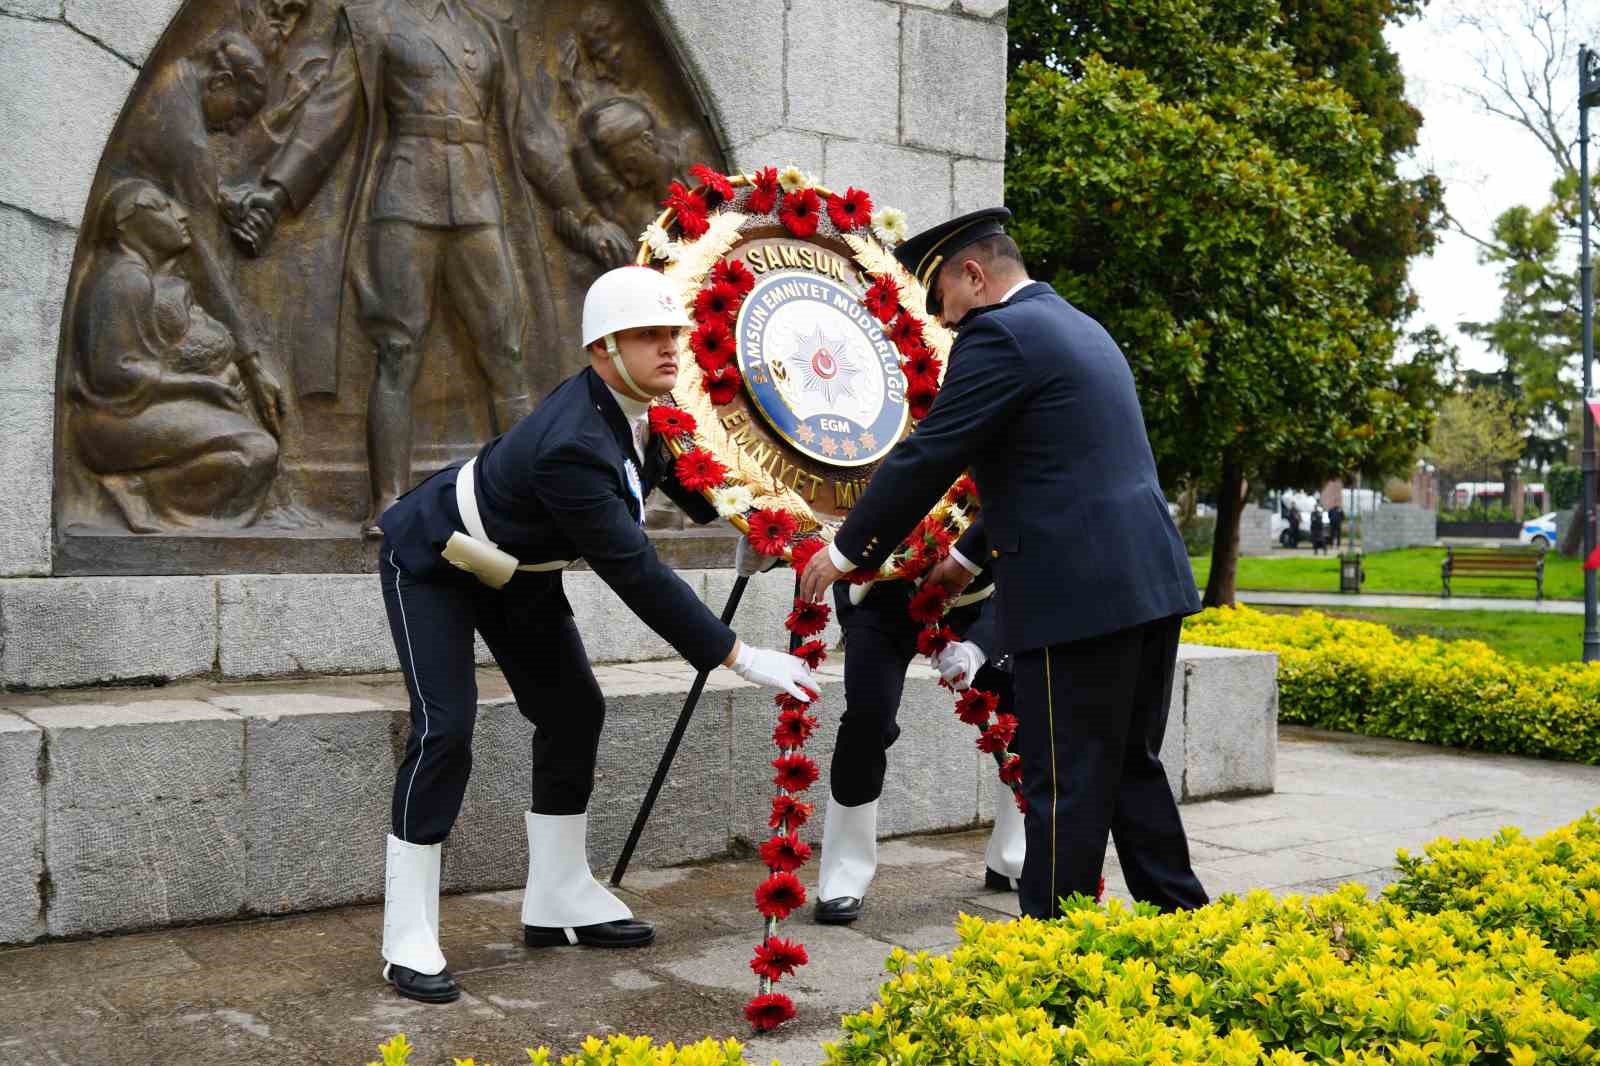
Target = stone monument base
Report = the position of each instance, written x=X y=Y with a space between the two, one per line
x=126 y=809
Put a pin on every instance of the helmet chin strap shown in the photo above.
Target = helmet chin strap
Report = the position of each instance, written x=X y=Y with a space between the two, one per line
x=629 y=386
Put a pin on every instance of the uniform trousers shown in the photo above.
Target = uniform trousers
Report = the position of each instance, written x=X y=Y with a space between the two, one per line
x=880 y=641
x=528 y=627
x=1092 y=714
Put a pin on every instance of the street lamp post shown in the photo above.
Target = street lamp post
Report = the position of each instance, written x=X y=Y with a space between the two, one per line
x=1588 y=96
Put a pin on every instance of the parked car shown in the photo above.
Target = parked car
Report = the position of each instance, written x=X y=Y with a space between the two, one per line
x=1540 y=532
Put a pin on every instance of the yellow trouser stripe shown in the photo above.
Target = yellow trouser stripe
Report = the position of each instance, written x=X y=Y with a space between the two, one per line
x=1050 y=708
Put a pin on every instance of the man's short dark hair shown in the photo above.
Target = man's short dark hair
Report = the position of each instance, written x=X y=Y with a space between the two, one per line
x=990 y=249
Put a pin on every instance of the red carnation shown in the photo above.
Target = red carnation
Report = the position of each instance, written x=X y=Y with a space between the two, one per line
x=974 y=707
x=764 y=191
x=786 y=853
x=997 y=737
x=914 y=564
x=787 y=702
x=767 y=1012
x=732 y=272
x=924 y=364
x=807 y=619
x=862 y=575
x=771 y=530
x=699 y=470
x=1011 y=772
x=927 y=604
x=722 y=384
x=920 y=394
x=904 y=330
x=671 y=421
x=935 y=639
x=778 y=958
x=801 y=211
x=716 y=187
x=964 y=490
x=712 y=344
x=850 y=211
x=789 y=813
x=802 y=550
x=690 y=209
x=795 y=772
x=794 y=728
x=718 y=302
x=813 y=652
x=779 y=894
x=883 y=299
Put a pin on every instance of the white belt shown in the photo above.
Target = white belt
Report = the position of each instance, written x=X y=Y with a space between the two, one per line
x=467 y=504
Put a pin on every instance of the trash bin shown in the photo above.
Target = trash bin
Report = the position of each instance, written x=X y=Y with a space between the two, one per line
x=1350 y=572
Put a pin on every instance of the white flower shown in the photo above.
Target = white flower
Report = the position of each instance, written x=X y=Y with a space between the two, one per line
x=890 y=225
x=957 y=512
x=793 y=179
x=661 y=245
x=730 y=500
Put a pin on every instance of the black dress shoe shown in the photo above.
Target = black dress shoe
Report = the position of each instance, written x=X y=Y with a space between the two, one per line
x=840 y=911
x=622 y=933
x=423 y=987
x=995 y=881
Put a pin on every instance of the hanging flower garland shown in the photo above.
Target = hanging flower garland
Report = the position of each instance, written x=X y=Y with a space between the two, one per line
x=777 y=520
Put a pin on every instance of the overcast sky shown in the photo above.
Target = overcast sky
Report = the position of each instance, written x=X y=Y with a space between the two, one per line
x=1487 y=163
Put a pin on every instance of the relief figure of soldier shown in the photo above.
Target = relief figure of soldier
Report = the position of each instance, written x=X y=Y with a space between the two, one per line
x=431 y=90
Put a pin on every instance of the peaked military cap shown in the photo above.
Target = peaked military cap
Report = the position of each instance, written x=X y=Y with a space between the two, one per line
x=923 y=254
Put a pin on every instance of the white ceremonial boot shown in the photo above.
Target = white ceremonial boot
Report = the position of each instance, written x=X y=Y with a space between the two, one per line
x=413 y=962
x=849 y=859
x=1008 y=843
x=563 y=903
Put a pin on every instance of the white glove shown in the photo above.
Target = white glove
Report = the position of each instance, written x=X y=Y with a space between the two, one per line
x=959 y=663
x=776 y=669
x=748 y=562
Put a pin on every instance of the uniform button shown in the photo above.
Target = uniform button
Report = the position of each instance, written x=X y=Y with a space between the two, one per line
x=995 y=552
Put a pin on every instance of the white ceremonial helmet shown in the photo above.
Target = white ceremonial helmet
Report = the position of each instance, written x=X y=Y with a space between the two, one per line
x=627 y=298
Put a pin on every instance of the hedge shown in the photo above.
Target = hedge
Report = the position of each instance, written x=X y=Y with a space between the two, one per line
x=1359 y=677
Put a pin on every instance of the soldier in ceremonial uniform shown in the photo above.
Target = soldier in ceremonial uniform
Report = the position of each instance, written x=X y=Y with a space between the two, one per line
x=480 y=547
x=1040 y=403
x=880 y=640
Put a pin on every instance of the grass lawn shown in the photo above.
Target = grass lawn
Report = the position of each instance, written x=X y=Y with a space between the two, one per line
x=1537 y=639
x=1413 y=570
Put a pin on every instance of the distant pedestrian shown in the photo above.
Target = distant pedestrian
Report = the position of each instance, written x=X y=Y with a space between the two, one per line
x=1294 y=526
x=1319 y=542
x=1335 y=523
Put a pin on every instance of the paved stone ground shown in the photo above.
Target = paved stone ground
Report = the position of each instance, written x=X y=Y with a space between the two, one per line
x=306 y=989
x=1413 y=602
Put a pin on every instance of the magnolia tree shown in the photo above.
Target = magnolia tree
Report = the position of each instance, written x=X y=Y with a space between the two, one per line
x=1177 y=177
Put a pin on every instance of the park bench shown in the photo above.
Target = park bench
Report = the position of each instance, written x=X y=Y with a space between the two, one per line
x=1494 y=563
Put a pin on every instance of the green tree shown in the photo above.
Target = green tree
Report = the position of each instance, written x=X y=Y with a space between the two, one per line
x=1537 y=330
x=1342 y=40
x=1476 y=430
x=1174 y=175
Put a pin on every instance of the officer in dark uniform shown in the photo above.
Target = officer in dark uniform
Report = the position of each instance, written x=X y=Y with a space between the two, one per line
x=480 y=547
x=880 y=641
x=1091 y=576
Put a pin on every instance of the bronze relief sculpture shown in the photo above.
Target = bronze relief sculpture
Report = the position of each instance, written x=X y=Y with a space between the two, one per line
x=392 y=208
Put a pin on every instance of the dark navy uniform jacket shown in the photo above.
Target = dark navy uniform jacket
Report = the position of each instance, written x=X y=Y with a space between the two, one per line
x=556 y=486
x=1040 y=404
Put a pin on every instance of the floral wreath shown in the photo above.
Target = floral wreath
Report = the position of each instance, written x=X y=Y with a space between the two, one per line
x=709 y=218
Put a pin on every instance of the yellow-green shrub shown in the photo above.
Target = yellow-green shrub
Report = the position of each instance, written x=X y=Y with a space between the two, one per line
x=1549 y=886
x=1336 y=978
x=1360 y=678
x=612 y=1051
